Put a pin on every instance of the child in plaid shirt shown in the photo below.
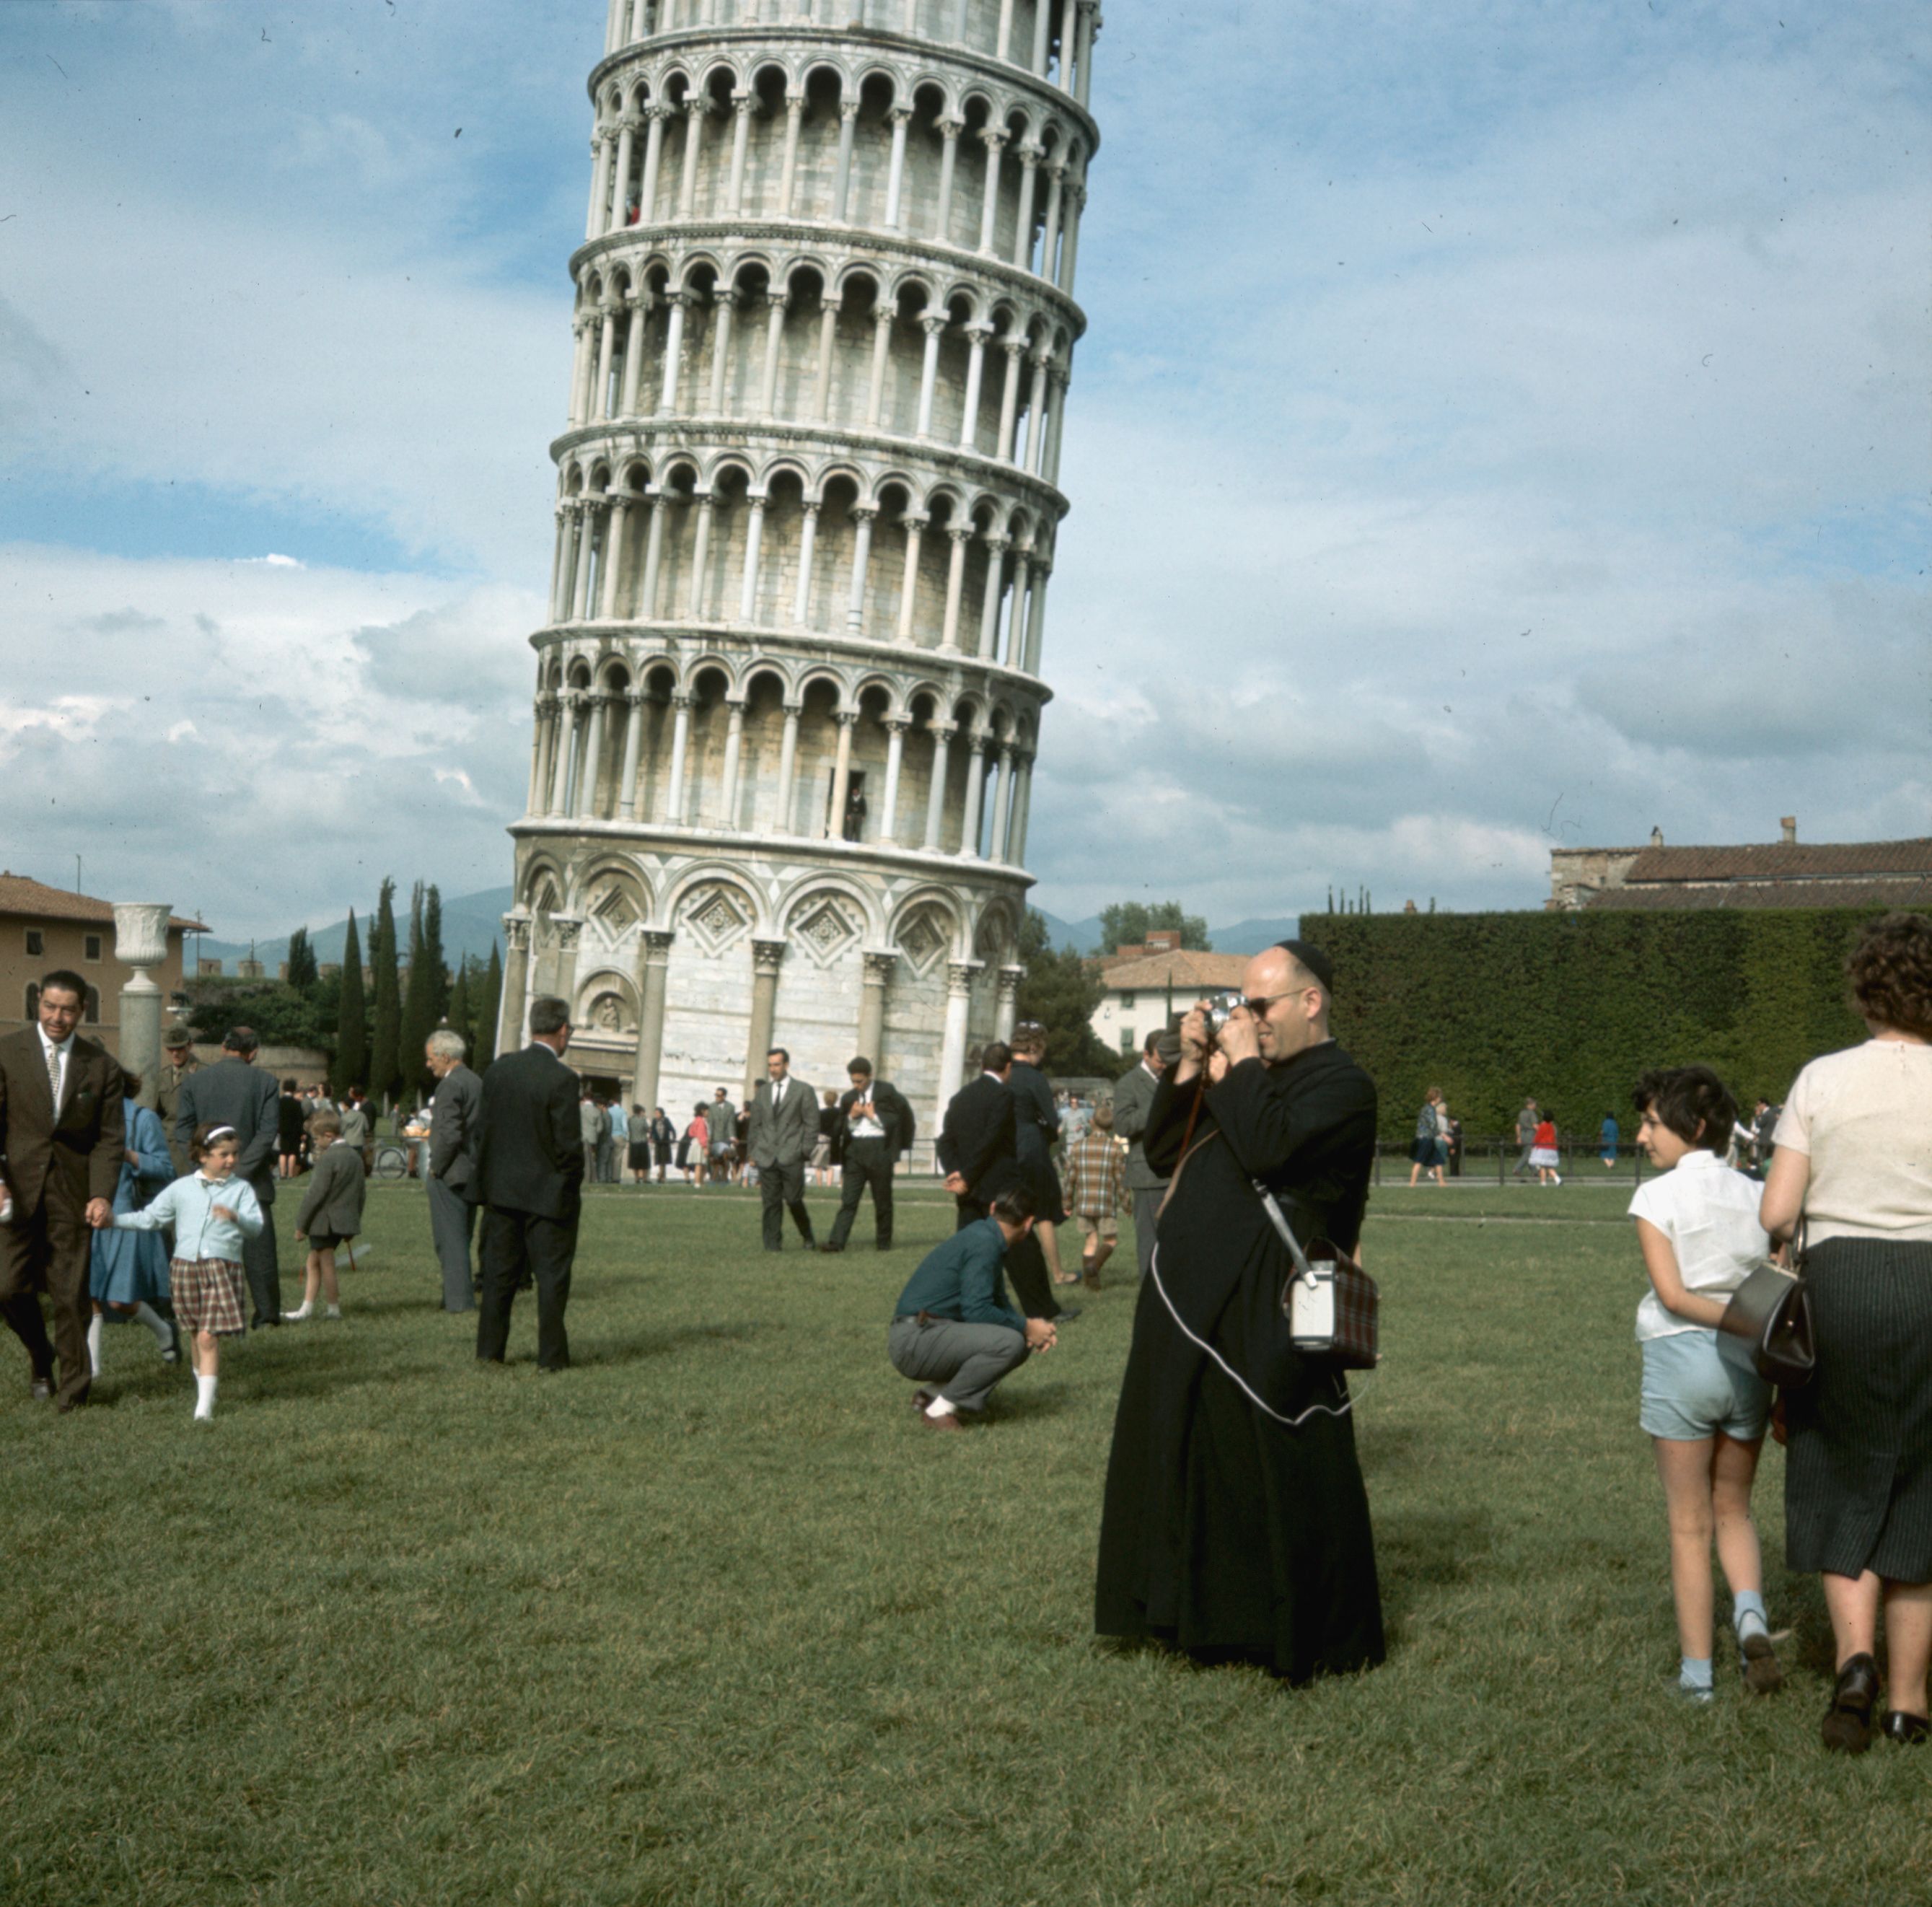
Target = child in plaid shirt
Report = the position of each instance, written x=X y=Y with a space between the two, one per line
x=1096 y=1192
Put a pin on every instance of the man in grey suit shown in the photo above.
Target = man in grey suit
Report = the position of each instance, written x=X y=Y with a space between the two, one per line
x=1133 y=1100
x=453 y=1114
x=784 y=1129
x=234 y=1092
x=721 y=1122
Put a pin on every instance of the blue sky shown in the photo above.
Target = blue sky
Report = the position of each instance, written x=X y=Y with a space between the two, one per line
x=1500 y=426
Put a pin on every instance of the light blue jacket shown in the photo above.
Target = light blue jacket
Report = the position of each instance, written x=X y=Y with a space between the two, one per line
x=188 y=1204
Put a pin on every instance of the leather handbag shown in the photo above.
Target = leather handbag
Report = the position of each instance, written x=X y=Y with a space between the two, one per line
x=1772 y=1311
x=1332 y=1305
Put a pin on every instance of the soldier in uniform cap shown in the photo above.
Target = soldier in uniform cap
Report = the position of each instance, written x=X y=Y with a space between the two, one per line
x=177 y=1062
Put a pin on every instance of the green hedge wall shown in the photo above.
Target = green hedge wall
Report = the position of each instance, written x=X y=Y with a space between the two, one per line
x=1571 y=1008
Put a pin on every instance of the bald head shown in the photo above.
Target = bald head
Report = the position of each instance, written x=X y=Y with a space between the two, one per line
x=1297 y=1012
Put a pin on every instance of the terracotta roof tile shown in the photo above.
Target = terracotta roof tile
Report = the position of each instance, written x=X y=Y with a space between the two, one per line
x=1785 y=860
x=37 y=901
x=1907 y=895
x=1191 y=970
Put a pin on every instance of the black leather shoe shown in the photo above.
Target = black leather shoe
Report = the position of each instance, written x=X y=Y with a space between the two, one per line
x=1909 y=1731
x=1068 y=1313
x=829 y=1246
x=1847 y=1723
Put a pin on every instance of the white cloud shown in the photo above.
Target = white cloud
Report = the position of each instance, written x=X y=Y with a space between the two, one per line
x=306 y=772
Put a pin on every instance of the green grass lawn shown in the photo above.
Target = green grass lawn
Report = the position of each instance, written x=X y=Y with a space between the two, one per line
x=710 y=1618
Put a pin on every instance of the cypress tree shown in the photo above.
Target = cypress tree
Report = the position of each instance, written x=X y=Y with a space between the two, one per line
x=489 y=1005
x=304 y=972
x=462 y=1014
x=419 y=1004
x=439 y=968
x=385 y=1032
x=352 y=1030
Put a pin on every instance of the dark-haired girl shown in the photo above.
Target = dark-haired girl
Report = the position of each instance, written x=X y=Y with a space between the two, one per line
x=1704 y=1405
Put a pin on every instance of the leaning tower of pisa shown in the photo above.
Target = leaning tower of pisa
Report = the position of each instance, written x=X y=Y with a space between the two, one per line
x=789 y=692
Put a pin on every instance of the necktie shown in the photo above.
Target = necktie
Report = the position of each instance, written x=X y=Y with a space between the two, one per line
x=53 y=1075
x=778 y=1094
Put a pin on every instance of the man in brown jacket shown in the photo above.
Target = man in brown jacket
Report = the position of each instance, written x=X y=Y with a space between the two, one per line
x=62 y=1132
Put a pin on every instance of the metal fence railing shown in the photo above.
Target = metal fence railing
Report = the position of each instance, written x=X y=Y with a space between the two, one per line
x=1499 y=1161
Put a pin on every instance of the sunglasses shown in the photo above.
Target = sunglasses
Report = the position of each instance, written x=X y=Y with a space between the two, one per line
x=1260 y=1003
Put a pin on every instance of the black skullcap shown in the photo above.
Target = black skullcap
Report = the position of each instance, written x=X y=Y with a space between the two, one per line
x=1312 y=957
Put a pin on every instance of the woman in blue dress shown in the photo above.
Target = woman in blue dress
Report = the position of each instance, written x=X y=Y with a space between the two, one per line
x=130 y=1270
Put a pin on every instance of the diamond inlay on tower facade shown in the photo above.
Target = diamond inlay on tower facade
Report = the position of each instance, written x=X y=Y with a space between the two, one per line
x=789 y=693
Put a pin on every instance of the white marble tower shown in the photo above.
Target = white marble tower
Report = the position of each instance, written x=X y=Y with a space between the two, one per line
x=788 y=698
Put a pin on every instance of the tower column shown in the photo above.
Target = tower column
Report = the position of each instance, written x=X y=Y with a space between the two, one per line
x=566 y=747
x=841 y=182
x=634 y=355
x=776 y=303
x=977 y=335
x=540 y=739
x=700 y=554
x=882 y=343
x=627 y=128
x=953 y=1038
x=600 y=184
x=933 y=324
x=742 y=106
x=680 y=736
x=1022 y=801
x=1030 y=156
x=673 y=349
x=896 y=726
x=1015 y=649
x=647 y=193
x=997 y=786
x=788 y=770
x=976 y=784
x=724 y=304
x=593 y=756
x=876 y=977
x=862 y=556
x=516 y=980
x=807 y=551
x=766 y=956
x=841 y=774
x=996 y=548
x=653 y=959
x=915 y=529
x=1005 y=1007
x=613 y=556
x=958 y=536
x=788 y=177
x=607 y=343
x=900 y=117
x=1036 y=620
x=634 y=742
x=734 y=743
x=942 y=733
x=647 y=593
x=1010 y=398
x=949 y=130
x=141 y=943
x=995 y=141
x=754 y=531
x=694 y=110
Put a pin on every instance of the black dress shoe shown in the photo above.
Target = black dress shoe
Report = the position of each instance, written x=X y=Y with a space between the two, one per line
x=1847 y=1723
x=829 y=1246
x=1908 y=1730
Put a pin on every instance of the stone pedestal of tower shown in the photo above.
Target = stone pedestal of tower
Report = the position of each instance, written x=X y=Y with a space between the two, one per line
x=788 y=698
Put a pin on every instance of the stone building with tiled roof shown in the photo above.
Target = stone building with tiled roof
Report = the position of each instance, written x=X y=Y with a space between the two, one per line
x=1145 y=983
x=1783 y=873
x=43 y=927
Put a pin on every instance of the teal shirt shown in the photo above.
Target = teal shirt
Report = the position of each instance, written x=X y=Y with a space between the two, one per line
x=964 y=1281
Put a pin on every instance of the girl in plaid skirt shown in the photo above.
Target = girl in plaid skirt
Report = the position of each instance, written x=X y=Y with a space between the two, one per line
x=212 y=1212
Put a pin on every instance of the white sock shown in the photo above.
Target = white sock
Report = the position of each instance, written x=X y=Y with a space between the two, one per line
x=333 y=1310
x=303 y=1310
x=940 y=1406
x=204 y=1396
x=94 y=1325
x=164 y=1332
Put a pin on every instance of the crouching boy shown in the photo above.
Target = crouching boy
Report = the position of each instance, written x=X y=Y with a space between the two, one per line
x=955 y=1334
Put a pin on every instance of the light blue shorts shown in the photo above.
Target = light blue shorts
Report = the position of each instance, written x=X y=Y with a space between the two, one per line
x=1698 y=1382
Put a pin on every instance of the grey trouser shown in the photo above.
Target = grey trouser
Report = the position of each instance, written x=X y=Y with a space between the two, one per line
x=259 y=1261
x=452 y=1219
x=1147 y=1209
x=963 y=1361
x=1523 y=1167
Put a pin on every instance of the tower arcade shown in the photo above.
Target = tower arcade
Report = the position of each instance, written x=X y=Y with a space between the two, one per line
x=788 y=695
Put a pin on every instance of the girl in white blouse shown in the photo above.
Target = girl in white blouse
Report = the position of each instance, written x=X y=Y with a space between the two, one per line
x=1704 y=1404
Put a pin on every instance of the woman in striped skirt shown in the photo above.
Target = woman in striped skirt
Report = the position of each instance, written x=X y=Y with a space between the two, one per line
x=1853 y=1163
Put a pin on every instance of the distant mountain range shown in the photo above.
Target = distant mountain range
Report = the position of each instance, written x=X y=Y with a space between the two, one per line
x=472 y=924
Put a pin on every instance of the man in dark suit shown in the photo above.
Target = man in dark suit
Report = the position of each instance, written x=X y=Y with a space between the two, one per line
x=1133 y=1100
x=784 y=1130
x=61 y=1123
x=453 y=1114
x=875 y=1126
x=528 y=1179
x=976 y=1148
x=234 y=1092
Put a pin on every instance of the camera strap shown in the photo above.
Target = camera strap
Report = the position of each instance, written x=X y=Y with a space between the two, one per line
x=1240 y=1383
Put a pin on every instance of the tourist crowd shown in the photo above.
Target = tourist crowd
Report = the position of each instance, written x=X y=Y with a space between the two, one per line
x=1235 y=1521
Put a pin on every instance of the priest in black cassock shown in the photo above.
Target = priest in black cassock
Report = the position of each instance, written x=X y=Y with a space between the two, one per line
x=1225 y=1533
